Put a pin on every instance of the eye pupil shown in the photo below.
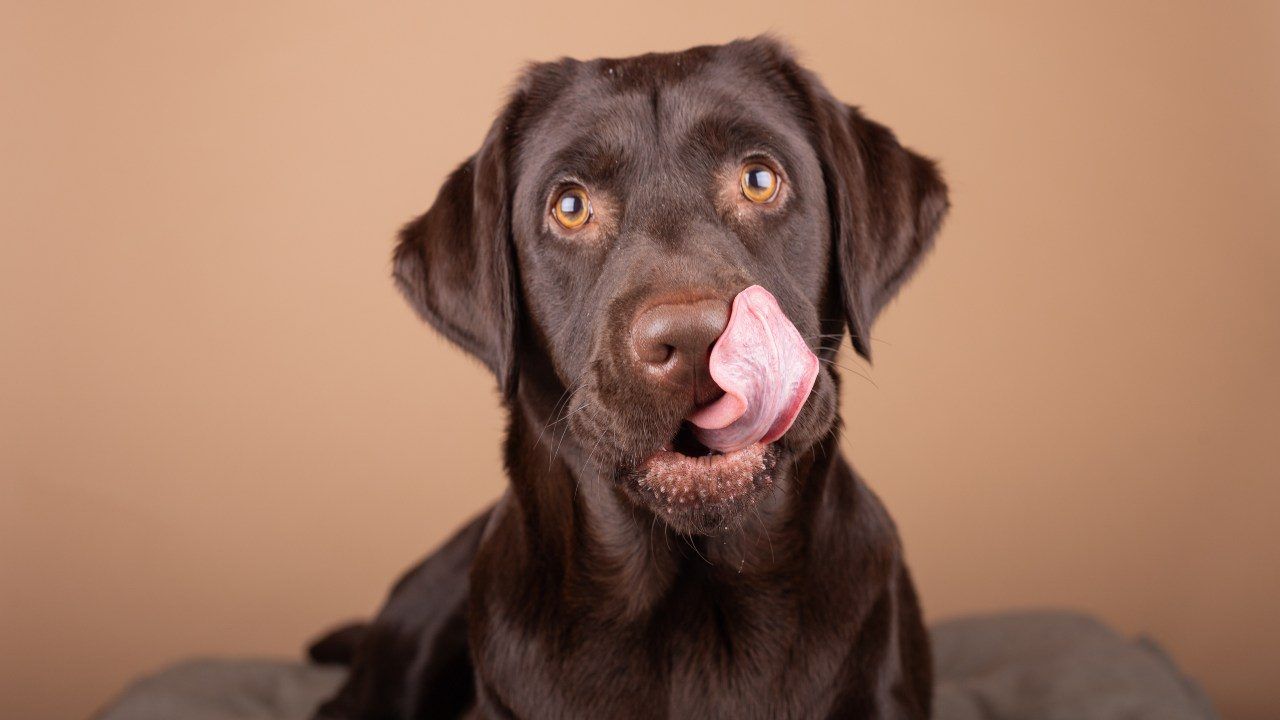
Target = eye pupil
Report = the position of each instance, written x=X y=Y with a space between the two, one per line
x=570 y=205
x=760 y=179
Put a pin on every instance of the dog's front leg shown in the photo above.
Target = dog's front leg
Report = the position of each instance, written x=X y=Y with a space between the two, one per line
x=412 y=660
x=890 y=672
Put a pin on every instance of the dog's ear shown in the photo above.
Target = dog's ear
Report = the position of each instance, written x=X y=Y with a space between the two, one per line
x=886 y=203
x=455 y=264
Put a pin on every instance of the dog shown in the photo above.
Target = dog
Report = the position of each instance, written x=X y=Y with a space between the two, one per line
x=619 y=219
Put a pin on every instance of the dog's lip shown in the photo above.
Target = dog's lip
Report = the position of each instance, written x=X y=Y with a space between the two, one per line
x=685 y=482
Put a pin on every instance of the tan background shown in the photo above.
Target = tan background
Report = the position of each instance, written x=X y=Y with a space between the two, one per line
x=221 y=429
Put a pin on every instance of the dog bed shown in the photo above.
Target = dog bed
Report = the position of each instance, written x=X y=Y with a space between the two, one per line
x=1041 y=665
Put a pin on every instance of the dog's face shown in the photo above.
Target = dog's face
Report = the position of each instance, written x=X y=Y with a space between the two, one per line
x=595 y=243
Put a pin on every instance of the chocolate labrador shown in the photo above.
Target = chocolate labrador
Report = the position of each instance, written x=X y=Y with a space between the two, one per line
x=658 y=257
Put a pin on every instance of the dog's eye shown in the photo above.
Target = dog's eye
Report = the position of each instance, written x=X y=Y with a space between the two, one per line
x=759 y=183
x=572 y=208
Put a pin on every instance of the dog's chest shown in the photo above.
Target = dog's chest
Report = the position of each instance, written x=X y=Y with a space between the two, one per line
x=695 y=660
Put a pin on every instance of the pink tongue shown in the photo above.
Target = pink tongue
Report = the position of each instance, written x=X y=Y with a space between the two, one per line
x=766 y=371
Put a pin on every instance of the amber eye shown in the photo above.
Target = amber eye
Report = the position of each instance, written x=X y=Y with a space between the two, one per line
x=759 y=183
x=572 y=209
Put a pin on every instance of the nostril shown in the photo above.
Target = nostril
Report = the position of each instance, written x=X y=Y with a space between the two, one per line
x=653 y=351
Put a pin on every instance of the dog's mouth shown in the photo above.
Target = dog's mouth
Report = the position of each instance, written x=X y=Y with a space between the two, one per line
x=698 y=489
x=686 y=444
x=720 y=460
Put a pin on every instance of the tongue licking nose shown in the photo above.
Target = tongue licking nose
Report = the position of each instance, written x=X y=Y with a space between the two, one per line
x=766 y=371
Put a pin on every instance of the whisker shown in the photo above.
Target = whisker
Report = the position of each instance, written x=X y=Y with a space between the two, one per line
x=563 y=433
x=773 y=559
x=688 y=540
x=652 y=525
x=846 y=368
x=872 y=338
x=564 y=399
x=569 y=414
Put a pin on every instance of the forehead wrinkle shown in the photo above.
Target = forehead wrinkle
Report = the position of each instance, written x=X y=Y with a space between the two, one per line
x=719 y=135
x=616 y=131
x=588 y=159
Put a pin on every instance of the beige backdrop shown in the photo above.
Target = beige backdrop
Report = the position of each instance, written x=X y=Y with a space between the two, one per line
x=221 y=430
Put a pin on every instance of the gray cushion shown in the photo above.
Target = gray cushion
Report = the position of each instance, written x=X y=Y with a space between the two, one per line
x=1035 y=665
x=1056 y=666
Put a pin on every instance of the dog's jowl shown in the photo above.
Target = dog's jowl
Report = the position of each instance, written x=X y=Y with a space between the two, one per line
x=658 y=258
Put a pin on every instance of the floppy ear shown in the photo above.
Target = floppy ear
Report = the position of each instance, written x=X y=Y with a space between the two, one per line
x=455 y=264
x=886 y=205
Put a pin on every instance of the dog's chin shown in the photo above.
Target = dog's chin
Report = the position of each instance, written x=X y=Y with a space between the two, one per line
x=700 y=492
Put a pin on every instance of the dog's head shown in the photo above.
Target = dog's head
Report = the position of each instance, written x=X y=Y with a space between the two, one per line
x=595 y=243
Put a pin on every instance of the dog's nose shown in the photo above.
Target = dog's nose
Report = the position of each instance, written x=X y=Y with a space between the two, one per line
x=672 y=341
